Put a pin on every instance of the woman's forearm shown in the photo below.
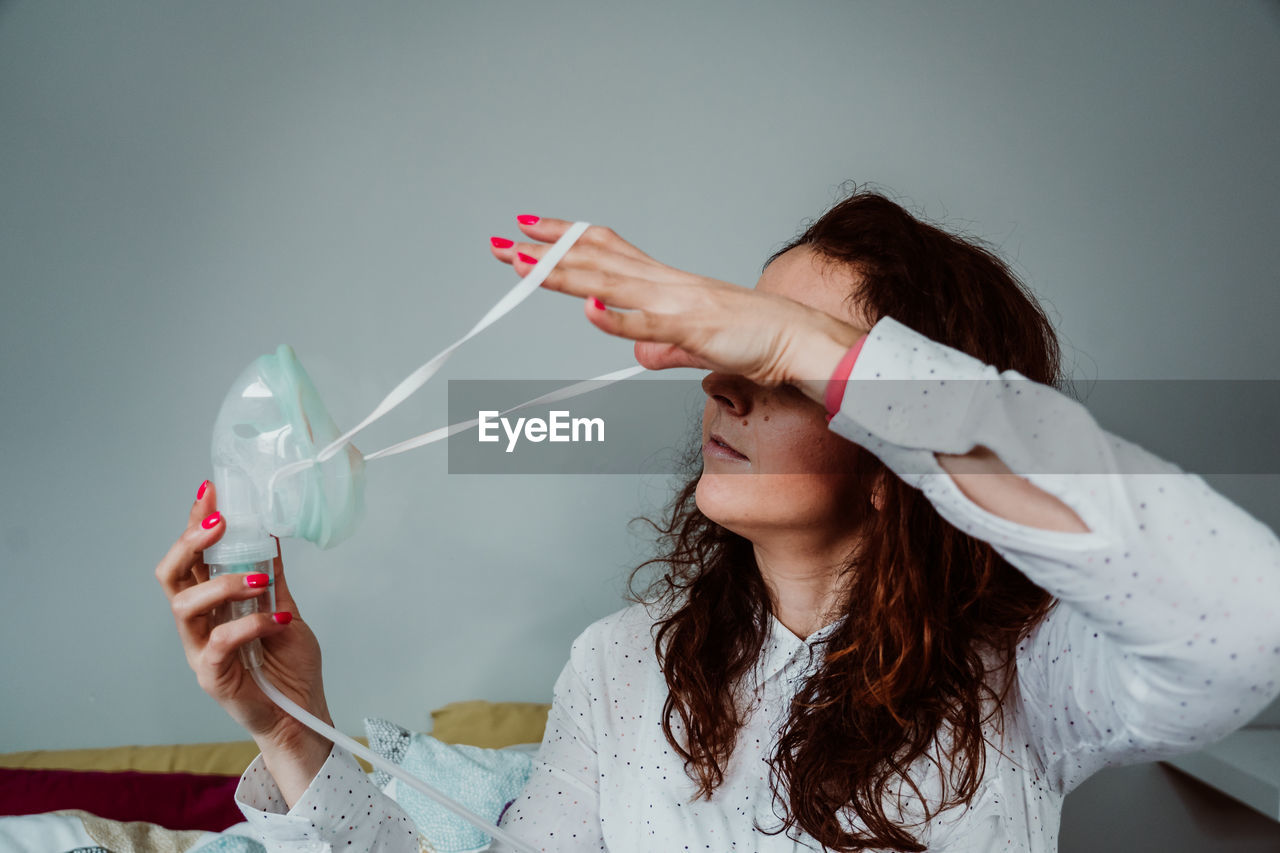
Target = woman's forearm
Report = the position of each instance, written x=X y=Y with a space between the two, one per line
x=979 y=473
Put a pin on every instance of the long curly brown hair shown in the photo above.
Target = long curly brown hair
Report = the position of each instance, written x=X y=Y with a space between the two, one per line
x=919 y=597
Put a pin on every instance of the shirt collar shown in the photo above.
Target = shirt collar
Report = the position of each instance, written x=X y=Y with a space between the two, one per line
x=781 y=646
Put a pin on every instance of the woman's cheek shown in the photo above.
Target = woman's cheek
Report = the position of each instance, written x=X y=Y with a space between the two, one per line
x=800 y=449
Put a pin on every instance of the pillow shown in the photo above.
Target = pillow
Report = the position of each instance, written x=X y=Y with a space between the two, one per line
x=485 y=780
x=490 y=724
x=177 y=800
x=218 y=759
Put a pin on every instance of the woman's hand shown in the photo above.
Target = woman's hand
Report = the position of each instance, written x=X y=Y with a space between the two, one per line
x=291 y=654
x=685 y=320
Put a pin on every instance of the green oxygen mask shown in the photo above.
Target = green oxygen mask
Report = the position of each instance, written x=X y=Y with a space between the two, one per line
x=273 y=419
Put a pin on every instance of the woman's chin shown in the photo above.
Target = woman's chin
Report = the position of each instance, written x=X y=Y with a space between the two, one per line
x=726 y=499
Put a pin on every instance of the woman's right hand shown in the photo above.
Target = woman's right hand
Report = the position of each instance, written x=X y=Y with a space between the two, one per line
x=291 y=653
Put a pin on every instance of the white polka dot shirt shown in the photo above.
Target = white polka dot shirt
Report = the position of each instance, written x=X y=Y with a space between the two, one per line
x=1166 y=639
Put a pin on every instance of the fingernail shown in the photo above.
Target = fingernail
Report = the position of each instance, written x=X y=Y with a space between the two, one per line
x=597 y=304
x=212 y=520
x=284 y=617
x=501 y=242
x=203 y=486
x=257 y=580
x=527 y=219
x=528 y=260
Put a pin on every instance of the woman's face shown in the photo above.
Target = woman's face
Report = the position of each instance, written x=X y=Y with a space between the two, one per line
x=795 y=475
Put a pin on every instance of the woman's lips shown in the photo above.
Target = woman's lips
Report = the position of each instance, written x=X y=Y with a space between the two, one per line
x=716 y=446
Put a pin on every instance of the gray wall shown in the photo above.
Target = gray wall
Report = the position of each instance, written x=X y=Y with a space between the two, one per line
x=184 y=186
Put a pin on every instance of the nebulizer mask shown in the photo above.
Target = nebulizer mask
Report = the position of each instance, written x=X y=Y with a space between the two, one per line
x=282 y=469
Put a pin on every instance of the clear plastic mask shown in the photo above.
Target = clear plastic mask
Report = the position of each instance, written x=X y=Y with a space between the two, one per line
x=272 y=417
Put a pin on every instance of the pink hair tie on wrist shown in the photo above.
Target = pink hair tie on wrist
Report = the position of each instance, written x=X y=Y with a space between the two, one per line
x=840 y=377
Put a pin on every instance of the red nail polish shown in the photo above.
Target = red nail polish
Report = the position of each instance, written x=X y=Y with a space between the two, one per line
x=597 y=304
x=211 y=521
x=525 y=258
x=284 y=617
x=527 y=219
x=203 y=486
x=501 y=242
x=257 y=580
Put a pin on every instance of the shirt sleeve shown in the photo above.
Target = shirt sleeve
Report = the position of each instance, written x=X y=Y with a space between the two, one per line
x=559 y=807
x=341 y=810
x=839 y=378
x=1166 y=633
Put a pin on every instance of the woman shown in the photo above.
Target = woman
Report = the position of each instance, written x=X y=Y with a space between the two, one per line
x=908 y=615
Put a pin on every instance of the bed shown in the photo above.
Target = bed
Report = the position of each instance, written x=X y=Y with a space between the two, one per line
x=179 y=798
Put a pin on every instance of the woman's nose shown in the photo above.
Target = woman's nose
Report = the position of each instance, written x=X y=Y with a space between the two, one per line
x=730 y=392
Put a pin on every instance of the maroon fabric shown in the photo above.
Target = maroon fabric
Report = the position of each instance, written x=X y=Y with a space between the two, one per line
x=172 y=800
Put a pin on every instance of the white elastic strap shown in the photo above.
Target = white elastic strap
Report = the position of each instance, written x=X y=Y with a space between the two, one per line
x=555 y=396
x=441 y=433
x=315 y=724
x=418 y=378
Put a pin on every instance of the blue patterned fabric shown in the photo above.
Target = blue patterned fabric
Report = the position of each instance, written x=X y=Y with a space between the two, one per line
x=229 y=843
x=486 y=781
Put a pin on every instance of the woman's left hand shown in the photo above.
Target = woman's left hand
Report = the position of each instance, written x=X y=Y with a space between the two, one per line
x=679 y=319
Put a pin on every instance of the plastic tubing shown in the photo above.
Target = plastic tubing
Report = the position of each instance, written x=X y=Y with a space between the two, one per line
x=312 y=722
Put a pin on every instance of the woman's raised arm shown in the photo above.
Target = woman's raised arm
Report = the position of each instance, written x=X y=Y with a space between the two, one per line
x=1167 y=637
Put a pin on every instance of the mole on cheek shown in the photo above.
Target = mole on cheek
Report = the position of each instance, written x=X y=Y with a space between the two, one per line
x=766 y=418
x=744 y=421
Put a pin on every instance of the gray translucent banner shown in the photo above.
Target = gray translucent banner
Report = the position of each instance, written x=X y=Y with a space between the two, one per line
x=646 y=426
